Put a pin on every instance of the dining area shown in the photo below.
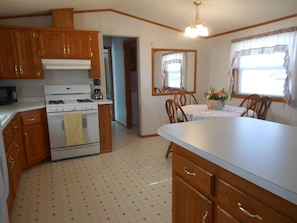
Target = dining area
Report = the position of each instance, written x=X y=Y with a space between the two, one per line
x=254 y=106
x=184 y=107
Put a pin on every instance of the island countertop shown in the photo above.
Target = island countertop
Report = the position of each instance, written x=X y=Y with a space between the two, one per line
x=262 y=152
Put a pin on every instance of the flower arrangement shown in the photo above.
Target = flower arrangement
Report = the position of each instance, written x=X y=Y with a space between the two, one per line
x=217 y=94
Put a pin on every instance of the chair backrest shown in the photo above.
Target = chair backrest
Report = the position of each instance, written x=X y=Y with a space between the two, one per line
x=262 y=106
x=259 y=108
x=157 y=90
x=249 y=100
x=175 y=112
x=185 y=98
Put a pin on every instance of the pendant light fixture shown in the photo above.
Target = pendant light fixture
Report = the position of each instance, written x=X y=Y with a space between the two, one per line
x=197 y=29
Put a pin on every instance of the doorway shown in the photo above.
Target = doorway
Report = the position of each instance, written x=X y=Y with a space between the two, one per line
x=122 y=78
x=109 y=77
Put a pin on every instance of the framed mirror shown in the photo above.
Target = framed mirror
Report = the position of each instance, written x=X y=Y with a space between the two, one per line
x=173 y=70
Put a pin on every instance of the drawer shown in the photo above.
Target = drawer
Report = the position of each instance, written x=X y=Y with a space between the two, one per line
x=246 y=208
x=31 y=117
x=193 y=174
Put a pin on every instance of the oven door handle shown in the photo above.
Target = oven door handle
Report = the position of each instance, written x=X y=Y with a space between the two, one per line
x=60 y=114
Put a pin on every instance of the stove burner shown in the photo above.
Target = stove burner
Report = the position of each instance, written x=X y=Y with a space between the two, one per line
x=84 y=100
x=56 y=102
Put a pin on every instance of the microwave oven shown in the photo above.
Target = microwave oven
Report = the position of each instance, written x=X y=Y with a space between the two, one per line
x=8 y=95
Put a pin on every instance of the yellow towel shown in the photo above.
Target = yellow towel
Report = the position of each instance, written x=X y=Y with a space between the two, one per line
x=73 y=128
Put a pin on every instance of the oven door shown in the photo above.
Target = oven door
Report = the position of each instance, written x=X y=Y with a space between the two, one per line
x=56 y=128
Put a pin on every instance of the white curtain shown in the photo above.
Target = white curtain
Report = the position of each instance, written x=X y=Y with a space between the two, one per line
x=172 y=58
x=284 y=40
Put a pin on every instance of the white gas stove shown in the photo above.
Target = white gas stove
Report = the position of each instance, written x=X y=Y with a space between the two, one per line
x=74 y=101
x=60 y=98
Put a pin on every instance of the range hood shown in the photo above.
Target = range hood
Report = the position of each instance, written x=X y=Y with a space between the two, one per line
x=69 y=64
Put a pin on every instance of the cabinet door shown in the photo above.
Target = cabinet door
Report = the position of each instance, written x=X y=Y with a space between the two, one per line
x=29 y=63
x=78 y=45
x=223 y=216
x=52 y=44
x=188 y=204
x=8 y=57
x=105 y=129
x=11 y=176
x=35 y=136
x=34 y=150
x=95 y=59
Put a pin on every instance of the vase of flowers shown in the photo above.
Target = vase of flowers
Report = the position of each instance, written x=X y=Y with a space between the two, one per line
x=216 y=98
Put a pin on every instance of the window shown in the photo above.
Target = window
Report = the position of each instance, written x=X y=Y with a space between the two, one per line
x=262 y=74
x=266 y=64
x=174 y=75
x=172 y=64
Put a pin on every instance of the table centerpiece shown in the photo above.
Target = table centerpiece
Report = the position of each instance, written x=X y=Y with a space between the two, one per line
x=216 y=98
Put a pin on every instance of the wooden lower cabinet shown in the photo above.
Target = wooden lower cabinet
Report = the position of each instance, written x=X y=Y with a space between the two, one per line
x=105 y=130
x=192 y=206
x=204 y=192
x=15 y=157
x=35 y=136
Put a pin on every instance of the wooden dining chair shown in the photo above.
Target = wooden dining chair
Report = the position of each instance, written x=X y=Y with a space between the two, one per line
x=262 y=106
x=259 y=108
x=175 y=114
x=249 y=100
x=185 y=98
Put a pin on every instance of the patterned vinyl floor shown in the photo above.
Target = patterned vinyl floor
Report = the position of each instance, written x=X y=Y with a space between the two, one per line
x=131 y=184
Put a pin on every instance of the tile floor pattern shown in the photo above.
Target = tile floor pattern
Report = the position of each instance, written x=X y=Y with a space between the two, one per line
x=131 y=184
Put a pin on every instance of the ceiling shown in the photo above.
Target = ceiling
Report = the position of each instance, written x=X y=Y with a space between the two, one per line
x=219 y=16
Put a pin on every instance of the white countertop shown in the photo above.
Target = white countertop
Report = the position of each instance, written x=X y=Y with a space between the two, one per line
x=262 y=152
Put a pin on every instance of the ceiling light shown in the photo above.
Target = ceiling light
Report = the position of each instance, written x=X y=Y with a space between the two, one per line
x=197 y=29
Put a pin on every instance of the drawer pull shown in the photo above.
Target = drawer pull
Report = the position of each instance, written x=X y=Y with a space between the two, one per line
x=31 y=119
x=188 y=172
x=246 y=212
x=205 y=217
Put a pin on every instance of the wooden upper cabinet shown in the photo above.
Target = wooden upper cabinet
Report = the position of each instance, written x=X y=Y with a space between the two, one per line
x=52 y=44
x=8 y=57
x=19 y=54
x=28 y=56
x=65 y=44
x=21 y=50
x=95 y=58
x=72 y=44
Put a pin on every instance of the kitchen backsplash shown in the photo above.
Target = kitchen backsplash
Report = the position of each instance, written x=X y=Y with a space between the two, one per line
x=34 y=88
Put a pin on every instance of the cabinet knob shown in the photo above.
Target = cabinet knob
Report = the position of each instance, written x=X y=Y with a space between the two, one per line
x=16 y=69
x=26 y=137
x=20 y=68
x=11 y=161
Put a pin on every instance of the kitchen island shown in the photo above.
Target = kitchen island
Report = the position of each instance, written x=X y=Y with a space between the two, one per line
x=233 y=170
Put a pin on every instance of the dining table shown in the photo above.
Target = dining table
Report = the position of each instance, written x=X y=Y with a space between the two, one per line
x=200 y=111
